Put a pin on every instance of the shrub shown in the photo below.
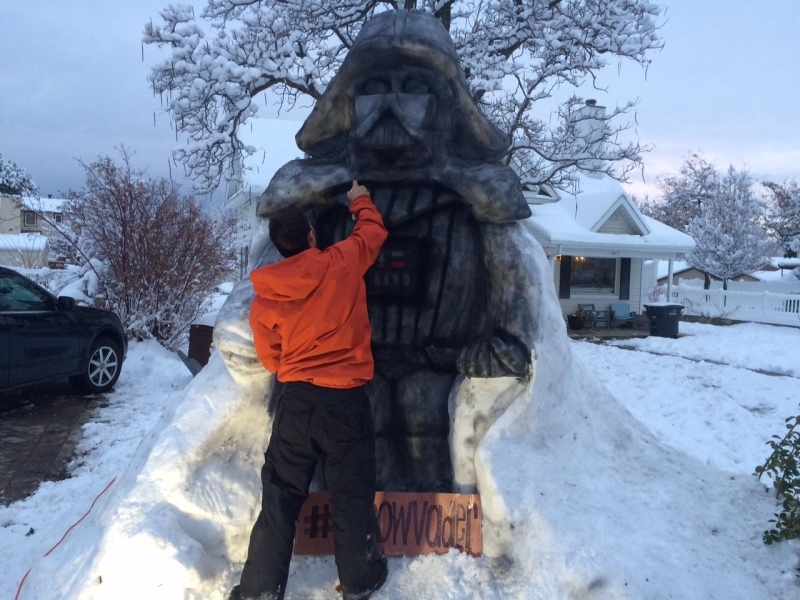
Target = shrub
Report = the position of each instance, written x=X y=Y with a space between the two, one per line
x=163 y=254
x=782 y=467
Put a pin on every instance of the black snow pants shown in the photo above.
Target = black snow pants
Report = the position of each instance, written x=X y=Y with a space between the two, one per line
x=311 y=424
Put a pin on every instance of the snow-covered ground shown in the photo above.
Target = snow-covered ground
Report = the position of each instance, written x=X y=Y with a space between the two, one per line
x=700 y=428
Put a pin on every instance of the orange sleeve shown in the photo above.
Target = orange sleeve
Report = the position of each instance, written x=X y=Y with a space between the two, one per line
x=362 y=247
x=266 y=339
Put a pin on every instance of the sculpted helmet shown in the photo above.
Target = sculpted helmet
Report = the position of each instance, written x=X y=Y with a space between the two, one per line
x=404 y=62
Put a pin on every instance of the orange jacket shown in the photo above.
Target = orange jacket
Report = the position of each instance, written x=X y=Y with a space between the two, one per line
x=309 y=317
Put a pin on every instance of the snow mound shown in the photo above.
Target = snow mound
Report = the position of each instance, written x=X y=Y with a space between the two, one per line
x=580 y=501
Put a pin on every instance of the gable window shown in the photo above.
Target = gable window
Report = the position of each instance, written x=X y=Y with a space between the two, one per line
x=58 y=217
x=593 y=275
x=29 y=218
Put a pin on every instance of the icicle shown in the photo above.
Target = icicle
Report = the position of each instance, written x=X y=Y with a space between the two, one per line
x=142 y=52
x=154 y=118
x=169 y=164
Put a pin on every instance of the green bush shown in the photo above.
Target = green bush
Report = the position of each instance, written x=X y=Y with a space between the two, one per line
x=782 y=468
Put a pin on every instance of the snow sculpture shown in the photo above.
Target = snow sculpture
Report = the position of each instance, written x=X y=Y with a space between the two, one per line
x=448 y=295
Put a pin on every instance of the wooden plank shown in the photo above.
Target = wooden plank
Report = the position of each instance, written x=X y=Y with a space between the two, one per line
x=410 y=523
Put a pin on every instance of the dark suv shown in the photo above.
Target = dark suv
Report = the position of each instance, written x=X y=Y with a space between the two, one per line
x=44 y=338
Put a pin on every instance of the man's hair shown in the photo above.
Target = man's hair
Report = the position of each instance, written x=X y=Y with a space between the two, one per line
x=288 y=230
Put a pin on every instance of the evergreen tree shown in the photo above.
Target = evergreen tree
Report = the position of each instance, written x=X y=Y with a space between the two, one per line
x=729 y=231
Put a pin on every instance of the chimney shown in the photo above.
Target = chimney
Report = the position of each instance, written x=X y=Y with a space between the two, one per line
x=235 y=181
x=590 y=126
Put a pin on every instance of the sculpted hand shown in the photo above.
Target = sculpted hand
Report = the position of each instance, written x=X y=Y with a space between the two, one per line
x=493 y=357
x=356 y=191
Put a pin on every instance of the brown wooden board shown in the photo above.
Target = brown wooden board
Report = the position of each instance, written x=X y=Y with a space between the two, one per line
x=411 y=524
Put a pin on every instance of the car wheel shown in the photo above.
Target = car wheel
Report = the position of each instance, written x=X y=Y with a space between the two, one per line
x=102 y=372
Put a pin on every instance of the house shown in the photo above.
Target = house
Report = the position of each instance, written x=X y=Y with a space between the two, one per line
x=25 y=214
x=25 y=224
x=595 y=236
x=273 y=145
x=41 y=214
x=597 y=241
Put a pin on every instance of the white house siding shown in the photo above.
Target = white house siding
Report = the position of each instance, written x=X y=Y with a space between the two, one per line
x=619 y=222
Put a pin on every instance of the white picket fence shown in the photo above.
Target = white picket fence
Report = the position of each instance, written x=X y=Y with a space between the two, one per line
x=760 y=307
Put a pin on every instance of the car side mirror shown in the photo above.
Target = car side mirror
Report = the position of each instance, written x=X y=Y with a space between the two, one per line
x=65 y=303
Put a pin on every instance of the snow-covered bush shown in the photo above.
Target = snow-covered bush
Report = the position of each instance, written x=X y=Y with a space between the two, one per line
x=154 y=255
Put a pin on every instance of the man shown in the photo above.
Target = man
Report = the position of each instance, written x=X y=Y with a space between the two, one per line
x=311 y=328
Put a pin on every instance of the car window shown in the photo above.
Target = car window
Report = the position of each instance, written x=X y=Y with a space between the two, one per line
x=16 y=294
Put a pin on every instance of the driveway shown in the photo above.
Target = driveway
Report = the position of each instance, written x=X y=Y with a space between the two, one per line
x=39 y=429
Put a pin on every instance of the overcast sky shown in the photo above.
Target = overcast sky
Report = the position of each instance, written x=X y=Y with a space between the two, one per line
x=727 y=82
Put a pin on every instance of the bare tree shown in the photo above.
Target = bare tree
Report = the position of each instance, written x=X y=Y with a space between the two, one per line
x=164 y=254
x=515 y=54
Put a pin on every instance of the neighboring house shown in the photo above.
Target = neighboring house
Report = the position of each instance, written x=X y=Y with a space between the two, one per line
x=597 y=240
x=38 y=214
x=23 y=214
x=780 y=275
x=274 y=145
x=24 y=250
x=25 y=224
x=683 y=271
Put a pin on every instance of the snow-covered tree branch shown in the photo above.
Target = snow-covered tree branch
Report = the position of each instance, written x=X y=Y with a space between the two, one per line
x=14 y=180
x=729 y=231
x=515 y=54
x=783 y=216
x=683 y=196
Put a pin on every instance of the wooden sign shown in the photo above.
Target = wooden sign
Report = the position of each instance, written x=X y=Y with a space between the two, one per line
x=410 y=524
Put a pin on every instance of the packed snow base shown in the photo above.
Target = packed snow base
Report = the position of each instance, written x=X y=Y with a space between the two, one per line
x=581 y=500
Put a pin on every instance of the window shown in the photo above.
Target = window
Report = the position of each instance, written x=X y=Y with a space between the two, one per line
x=18 y=295
x=593 y=275
x=58 y=217
x=29 y=218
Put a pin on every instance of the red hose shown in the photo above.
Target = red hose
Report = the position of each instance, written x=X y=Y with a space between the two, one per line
x=63 y=537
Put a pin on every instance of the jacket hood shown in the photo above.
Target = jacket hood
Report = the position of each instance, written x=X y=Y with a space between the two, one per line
x=293 y=278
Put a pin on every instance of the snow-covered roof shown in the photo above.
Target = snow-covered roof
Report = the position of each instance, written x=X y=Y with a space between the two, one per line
x=26 y=242
x=53 y=205
x=274 y=146
x=572 y=225
x=779 y=262
x=678 y=266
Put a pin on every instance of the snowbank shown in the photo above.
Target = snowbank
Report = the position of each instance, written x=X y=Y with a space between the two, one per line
x=580 y=501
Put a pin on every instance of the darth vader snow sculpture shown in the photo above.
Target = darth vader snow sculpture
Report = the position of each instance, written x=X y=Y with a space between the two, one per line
x=443 y=297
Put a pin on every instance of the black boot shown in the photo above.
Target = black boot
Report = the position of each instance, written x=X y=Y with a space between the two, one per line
x=382 y=568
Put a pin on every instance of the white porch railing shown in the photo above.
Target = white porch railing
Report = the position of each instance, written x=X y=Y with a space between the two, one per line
x=760 y=307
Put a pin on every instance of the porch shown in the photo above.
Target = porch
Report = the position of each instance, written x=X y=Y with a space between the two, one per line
x=640 y=329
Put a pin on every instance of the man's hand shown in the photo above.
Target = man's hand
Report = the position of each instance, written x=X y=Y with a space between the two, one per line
x=356 y=191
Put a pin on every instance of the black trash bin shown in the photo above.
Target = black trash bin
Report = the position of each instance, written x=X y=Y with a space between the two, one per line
x=664 y=319
x=200 y=339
